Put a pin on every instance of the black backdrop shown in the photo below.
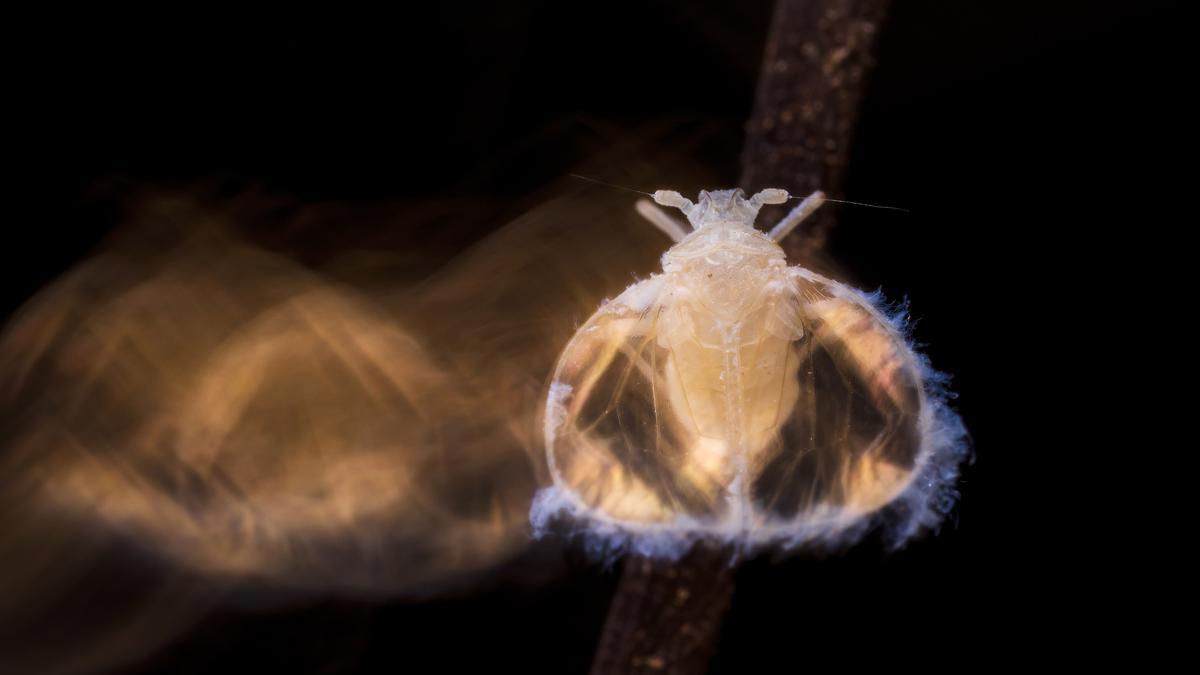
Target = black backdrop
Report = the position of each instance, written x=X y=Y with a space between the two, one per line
x=1003 y=128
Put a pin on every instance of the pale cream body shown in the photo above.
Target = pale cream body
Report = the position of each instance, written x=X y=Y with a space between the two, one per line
x=733 y=395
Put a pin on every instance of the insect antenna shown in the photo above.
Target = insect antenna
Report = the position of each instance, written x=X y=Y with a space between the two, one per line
x=873 y=206
x=611 y=185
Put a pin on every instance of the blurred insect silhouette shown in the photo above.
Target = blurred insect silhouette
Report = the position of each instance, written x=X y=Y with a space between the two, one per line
x=735 y=398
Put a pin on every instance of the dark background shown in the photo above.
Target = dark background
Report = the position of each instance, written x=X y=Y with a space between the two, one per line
x=1010 y=131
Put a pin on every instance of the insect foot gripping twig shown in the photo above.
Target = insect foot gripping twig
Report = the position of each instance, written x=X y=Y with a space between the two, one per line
x=806 y=208
x=660 y=219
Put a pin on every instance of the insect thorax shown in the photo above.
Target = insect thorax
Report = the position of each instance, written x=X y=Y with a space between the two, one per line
x=724 y=264
x=725 y=272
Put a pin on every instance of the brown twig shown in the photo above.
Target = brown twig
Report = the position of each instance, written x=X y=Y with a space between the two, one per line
x=666 y=616
x=813 y=77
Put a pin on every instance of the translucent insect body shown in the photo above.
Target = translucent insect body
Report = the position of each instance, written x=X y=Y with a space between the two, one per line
x=738 y=399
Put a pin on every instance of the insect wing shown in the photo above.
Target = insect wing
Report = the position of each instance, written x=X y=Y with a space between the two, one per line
x=617 y=443
x=854 y=438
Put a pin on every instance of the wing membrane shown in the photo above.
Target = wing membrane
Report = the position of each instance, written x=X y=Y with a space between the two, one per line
x=853 y=441
x=621 y=438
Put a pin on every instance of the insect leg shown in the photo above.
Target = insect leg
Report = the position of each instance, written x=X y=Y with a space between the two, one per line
x=790 y=221
x=660 y=219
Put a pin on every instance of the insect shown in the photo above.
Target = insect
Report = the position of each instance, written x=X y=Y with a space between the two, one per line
x=733 y=397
